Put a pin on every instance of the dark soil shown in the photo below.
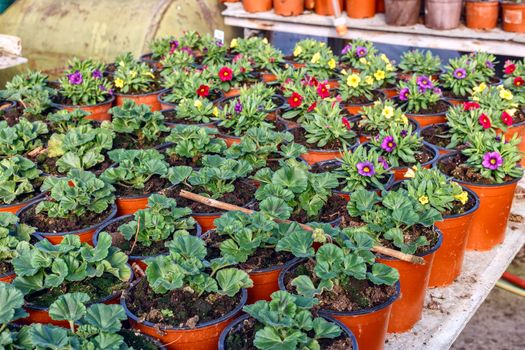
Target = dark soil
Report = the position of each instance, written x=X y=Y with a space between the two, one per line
x=174 y=160
x=46 y=224
x=186 y=308
x=455 y=166
x=49 y=165
x=437 y=108
x=437 y=135
x=356 y=295
x=133 y=338
x=334 y=208
x=413 y=234
x=425 y=155
x=362 y=100
x=263 y=258
x=519 y=116
x=97 y=288
x=153 y=185
x=299 y=135
x=450 y=94
x=459 y=208
x=5 y=267
x=242 y=195
x=242 y=337
x=170 y=117
x=129 y=141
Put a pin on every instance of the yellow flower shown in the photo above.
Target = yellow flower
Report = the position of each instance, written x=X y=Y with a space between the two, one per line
x=506 y=94
x=215 y=111
x=315 y=58
x=404 y=119
x=384 y=58
x=479 y=88
x=344 y=72
x=298 y=50
x=234 y=43
x=132 y=74
x=388 y=112
x=423 y=200
x=379 y=75
x=197 y=104
x=462 y=197
x=265 y=41
x=410 y=174
x=390 y=67
x=149 y=74
x=369 y=80
x=122 y=63
x=363 y=60
x=332 y=64
x=353 y=80
x=119 y=83
x=511 y=111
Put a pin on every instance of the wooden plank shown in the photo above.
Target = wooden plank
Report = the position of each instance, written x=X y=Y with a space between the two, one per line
x=10 y=45
x=11 y=61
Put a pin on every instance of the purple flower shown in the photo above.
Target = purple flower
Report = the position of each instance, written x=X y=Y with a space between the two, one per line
x=366 y=169
x=460 y=73
x=238 y=107
x=383 y=161
x=75 y=78
x=424 y=82
x=102 y=87
x=437 y=91
x=96 y=74
x=489 y=64
x=174 y=44
x=346 y=49
x=497 y=138
x=187 y=50
x=388 y=144
x=403 y=94
x=361 y=51
x=404 y=133
x=110 y=91
x=492 y=160
x=219 y=43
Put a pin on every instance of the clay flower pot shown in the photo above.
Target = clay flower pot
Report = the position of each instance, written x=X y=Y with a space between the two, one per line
x=368 y=325
x=130 y=205
x=513 y=17
x=7 y=277
x=448 y=260
x=238 y=321
x=319 y=155
x=361 y=8
x=98 y=112
x=429 y=119
x=442 y=14
x=407 y=310
x=518 y=129
x=203 y=337
x=399 y=172
x=14 y=208
x=229 y=139
x=288 y=7
x=402 y=12
x=151 y=99
x=325 y=7
x=257 y=5
x=265 y=282
x=481 y=14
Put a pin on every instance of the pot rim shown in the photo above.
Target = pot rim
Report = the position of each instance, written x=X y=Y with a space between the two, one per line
x=432 y=250
x=231 y=314
x=156 y=92
x=443 y=156
x=25 y=203
x=419 y=115
x=106 y=102
x=437 y=147
x=12 y=105
x=8 y=273
x=37 y=234
x=377 y=91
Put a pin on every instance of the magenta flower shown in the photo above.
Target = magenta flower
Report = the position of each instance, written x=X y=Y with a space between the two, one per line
x=174 y=44
x=388 y=144
x=75 y=78
x=404 y=133
x=437 y=91
x=383 y=161
x=366 y=169
x=424 y=82
x=96 y=74
x=238 y=107
x=492 y=160
x=489 y=64
x=346 y=49
x=403 y=94
x=361 y=51
x=102 y=87
x=460 y=73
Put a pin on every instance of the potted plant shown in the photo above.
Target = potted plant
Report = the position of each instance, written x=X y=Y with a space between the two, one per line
x=348 y=284
x=325 y=133
x=177 y=60
x=316 y=58
x=514 y=75
x=383 y=72
x=136 y=174
x=11 y=234
x=416 y=62
x=185 y=279
x=355 y=55
x=486 y=65
x=402 y=12
x=459 y=78
x=457 y=205
x=13 y=300
x=136 y=126
x=144 y=234
x=294 y=325
x=401 y=149
x=165 y=46
x=136 y=81
x=218 y=178
x=188 y=143
x=230 y=77
x=443 y=14
x=199 y=112
x=257 y=6
x=288 y=7
x=71 y=266
x=22 y=138
x=19 y=183
x=513 y=16
x=211 y=51
x=487 y=166
x=481 y=14
x=421 y=99
x=63 y=120
x=358 y=90
x=266 y=58
x=84 y=86
x=380 y=116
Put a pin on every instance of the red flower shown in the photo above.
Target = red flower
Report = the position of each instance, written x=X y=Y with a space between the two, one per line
x=518 y=81
x=484 y=121
x=225 y=74
x=295 y=100
x=323 y=91
x=469 y=106
x=203 y=91
x=346 y=123
x=506 y=118
x=313 y=82
x=70 y=183
x=510 y=68
x=312 y=106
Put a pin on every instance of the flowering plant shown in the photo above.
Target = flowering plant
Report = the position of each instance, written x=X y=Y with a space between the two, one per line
x=230 y=75
x=84 y=83
x=21 y=138
x=460 y=76
x=322 y=64
x=380 y=116
x=180 y=59
x=418 y=94
x=198 y=110
x=187 y=85
x=485 y=64
x=363 y=168
x=31 y=90
x=163 y=47
x=213 y=51
x=397 y=146
x=420 y=63
x=18 y=178
x=495 y=158
x=356 y=53
x=303 y=97
x=133 y=77
x=356 y=86
x=467 y=119
x=306 y=50
x=192 y=142
x=381 y=70
x=514 y=76
x=264 y=56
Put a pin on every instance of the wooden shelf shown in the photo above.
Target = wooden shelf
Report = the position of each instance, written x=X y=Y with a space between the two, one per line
x=374 y=29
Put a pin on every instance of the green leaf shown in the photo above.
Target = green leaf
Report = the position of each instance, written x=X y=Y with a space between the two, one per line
x=383 y=274
x=231 y=281
x=12 y=301
x=69 y=307
x=325 y=329
x=107 y=318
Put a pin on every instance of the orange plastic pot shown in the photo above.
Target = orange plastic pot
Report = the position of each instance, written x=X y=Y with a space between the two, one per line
x=448 y=260
x=289 y=124
x=361 y=8
x=325 y=7
x=130 y=205
x=257 y=5
x=407 y=310
x=98 y=112
x=15 y=208
x=151 y=99
x=319 y=155
x=229 y=139
x=390 y=92
x=357 y=108
x=369 y=326
x=288 y=7
x=232 y=93
x=399 y=172
x=7 y=277
x=513 y=17
x=456 y=101
x=518 y=129
x=380 y=6
x=481 y=14
x=268 y=77
x=429 y=119
x=203 y=337
x=265 y=282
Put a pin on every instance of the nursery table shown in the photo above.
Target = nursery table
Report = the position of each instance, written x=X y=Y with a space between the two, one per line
x=375 y=29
